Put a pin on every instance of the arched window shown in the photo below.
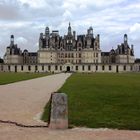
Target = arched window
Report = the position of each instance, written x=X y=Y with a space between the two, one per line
x=103 y=67
x=36 y=68
x=29 y=68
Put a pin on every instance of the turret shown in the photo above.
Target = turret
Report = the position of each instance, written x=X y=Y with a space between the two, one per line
x=41 y=40
x=47 y=31
x=69 y=29
x=41 y=35
x=132 y=50
x=126 y=44
x=12 y=40
x=97 y=42
x=90 y=32
x=98 y=38
x=74 y=34
x=125 y=40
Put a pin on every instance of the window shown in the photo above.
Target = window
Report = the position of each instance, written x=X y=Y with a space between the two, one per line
x=79 y=55
x=15 y=68
x=96 y=67
x=96 y=61
x=22 y=68
x=49 y=67
x=62 y=55
x=43 y=67
x=72 y=55
x=60 y=67
x=131 y=68
x=76 y=67
x=124 y=68
x=103 y=67
x=96 y=54
x=96 y=44
x=9 y=68
x=36 y=68
x=83 y=68
x=89 y=68
x=66 y=55
x=56 y=67
x=29 y=68
x=110 y=68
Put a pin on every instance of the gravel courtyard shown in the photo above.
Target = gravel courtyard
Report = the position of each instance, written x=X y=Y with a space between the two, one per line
x=23 y=102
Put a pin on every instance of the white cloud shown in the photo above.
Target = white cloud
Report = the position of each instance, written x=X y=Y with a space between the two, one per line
x=134 y=33
x=135 y=28
x=110 y=18
x=21 y=40
x=97 y=3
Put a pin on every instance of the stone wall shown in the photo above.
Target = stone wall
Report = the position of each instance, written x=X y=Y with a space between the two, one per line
x=87 y=68
x=83 y=56
x=47 y=57
x=125 y=59
x=13 y=59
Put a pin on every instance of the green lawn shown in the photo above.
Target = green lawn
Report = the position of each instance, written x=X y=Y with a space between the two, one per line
x=103 y=100
x=6 y=78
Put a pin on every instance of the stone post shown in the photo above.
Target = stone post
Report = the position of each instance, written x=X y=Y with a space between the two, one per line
x=59 y=111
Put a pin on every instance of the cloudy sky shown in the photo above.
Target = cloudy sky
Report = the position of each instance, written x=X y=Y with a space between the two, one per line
x=109 y=18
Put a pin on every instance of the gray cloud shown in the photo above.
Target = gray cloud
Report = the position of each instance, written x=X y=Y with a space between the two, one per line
x=9 y=10
x=110 y=18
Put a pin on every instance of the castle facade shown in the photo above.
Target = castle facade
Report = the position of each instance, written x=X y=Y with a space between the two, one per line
x=71 y=52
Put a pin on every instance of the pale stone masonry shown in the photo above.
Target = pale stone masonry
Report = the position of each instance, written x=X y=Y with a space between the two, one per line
x=81 y=53
x=54 y=48
x=59 y=111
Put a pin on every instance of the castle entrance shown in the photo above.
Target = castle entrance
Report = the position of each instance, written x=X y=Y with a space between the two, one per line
x=68 y=68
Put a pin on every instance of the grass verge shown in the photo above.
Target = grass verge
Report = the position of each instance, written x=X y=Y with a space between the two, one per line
x=6 y=78
x=103 y=100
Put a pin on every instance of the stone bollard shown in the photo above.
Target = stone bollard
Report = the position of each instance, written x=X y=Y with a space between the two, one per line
x=59 y=111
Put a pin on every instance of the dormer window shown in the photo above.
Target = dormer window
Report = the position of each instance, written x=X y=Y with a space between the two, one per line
x=79 y=49
x=80 y=45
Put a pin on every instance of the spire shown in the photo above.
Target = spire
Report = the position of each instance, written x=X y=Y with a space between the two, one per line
x=47 y=31
x=69 y=29
x=12 y=40
x=125 y=39
x=126 y=43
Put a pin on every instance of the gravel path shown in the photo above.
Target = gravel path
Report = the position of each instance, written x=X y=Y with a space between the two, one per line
x=23 y=102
